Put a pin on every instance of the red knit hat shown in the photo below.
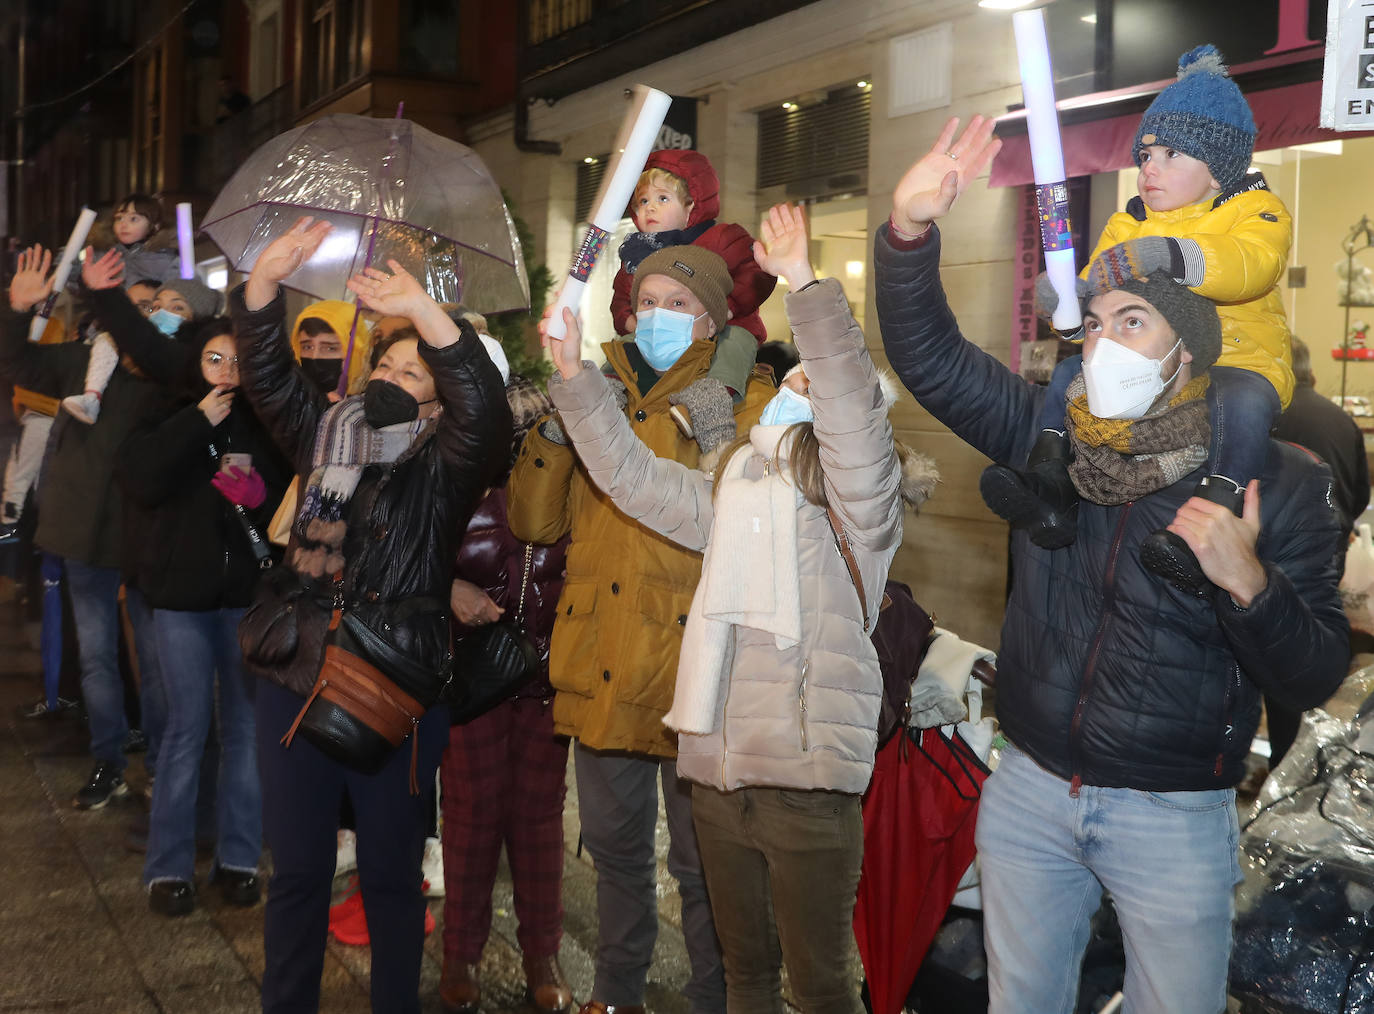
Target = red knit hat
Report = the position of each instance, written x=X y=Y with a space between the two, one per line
x=693 y=168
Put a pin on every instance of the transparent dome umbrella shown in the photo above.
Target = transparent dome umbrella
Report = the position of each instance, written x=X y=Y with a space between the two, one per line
x=391 y=190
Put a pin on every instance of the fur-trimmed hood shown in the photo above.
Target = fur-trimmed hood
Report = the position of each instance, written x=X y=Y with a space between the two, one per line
x=920 y=476
x=102 y=236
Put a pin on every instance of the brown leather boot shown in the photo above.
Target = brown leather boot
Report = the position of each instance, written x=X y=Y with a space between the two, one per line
x=597 y=1007
x=545 y=987
x=459 y=990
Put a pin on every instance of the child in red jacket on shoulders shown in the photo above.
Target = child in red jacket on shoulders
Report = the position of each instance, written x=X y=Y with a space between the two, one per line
x=675 y=204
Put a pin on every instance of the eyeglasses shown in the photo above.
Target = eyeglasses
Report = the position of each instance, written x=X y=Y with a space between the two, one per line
x=218 y=359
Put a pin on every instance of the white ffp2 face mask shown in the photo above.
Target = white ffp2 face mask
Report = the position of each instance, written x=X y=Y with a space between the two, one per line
x=1122 y=383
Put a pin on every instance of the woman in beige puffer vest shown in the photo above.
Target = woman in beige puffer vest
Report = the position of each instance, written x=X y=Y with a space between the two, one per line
x=778 y=687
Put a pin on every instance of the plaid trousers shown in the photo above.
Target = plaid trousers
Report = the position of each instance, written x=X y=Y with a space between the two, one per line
x=503 y=780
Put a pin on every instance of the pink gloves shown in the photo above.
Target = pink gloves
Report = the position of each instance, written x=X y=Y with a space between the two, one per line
x=244 y=488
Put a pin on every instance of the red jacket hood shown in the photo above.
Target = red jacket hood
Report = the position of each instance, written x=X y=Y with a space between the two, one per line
x=702 y=183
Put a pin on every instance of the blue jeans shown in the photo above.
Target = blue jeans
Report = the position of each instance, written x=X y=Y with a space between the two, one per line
x=152 y=695
x=1242 y=404
x=1168 y=859
x=95 y=613
x=199 y=646
x=302 y=792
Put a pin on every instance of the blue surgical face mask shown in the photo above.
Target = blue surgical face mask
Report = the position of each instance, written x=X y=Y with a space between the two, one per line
x=166 y=321
x=663 y=335
x=786 y=408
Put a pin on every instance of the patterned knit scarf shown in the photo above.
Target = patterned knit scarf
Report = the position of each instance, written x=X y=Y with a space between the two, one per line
x=344 y=445
x=1119 y=460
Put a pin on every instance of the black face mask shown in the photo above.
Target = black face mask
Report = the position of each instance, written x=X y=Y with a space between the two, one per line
x=323 y=373
x=386 y=404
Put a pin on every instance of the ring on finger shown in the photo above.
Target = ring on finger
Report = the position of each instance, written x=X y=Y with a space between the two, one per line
x=953 y=156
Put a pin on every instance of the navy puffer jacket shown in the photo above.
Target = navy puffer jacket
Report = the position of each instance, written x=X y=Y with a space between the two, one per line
x=1107 y=675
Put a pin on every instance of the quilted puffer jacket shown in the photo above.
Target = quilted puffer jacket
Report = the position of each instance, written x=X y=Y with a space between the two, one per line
x=1243 y=238
x=804 y=716
x=404 y=520
x=492 y=558
x=1108 y=675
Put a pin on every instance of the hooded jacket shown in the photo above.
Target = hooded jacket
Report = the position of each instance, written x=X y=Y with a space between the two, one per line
x=339 y=315
x=752 y=286
x=1244 y=239
x=624 y=604
x=803 y=716
x=404 y=520
x=1108 y=675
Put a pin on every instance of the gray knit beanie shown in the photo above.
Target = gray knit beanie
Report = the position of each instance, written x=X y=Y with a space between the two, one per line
x=203 y=300
x=1193 y=317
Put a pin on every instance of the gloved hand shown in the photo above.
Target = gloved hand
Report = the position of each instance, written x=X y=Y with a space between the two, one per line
x=551 y=429
x=1047 y=297
x=932 y=704
x=243 y=488
x=1135 y=258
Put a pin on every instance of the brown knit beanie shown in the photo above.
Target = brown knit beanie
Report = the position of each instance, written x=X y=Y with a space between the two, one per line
x=702 y=272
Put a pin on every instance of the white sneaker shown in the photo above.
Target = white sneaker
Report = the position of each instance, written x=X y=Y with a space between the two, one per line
x=346 y=858
x=432 y=867
x=85 y=407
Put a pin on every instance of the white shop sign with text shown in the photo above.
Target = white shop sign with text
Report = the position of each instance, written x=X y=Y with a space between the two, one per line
x=1348 y=72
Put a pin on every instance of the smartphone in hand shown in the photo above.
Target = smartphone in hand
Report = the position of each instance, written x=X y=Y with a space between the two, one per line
x=243 y=462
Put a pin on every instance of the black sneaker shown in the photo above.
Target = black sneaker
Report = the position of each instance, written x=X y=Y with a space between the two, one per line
x=106 y=783
x=172 y=898
x=135 y=741
x=41 y=709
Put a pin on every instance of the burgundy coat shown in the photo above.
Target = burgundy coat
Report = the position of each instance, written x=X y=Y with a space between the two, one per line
x=492 y=558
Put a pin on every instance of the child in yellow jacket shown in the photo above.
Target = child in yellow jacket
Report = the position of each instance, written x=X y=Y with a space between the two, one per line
x=1203 y=219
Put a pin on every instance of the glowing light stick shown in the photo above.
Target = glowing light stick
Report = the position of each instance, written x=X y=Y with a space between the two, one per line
x=75 y=242
x=632 y=146
x=1047 y=159
x=185 y=245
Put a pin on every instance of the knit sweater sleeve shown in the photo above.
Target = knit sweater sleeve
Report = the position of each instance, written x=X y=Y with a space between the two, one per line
x=663 y=495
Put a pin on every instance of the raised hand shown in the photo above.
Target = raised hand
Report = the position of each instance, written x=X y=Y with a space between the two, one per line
x=283 y=255
x=398 y=294
x=105 y=273
x=32 y=281
x=566 y=354
x=930 y=187
x=784 y=250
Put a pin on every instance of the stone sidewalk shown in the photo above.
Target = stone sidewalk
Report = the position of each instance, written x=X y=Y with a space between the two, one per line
x=76 y=934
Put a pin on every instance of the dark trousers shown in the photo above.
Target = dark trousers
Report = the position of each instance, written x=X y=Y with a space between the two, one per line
x=503 y=782
x=301 y=793
x=782 y=870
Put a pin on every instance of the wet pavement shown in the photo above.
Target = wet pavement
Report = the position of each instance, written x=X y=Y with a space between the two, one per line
x=76 y=934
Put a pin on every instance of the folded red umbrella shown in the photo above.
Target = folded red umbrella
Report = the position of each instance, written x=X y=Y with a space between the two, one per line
x=919 y=814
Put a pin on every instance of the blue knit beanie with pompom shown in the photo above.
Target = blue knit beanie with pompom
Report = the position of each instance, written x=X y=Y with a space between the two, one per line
x=1204 y=115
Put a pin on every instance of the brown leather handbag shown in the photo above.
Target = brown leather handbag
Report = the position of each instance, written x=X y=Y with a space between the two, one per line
x=356 y=713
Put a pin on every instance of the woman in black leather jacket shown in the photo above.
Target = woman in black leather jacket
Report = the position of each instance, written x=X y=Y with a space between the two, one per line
x=389 y=480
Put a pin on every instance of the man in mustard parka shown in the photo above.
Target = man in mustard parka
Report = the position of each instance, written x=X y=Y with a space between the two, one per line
x=613 y=661
x=1206 y=221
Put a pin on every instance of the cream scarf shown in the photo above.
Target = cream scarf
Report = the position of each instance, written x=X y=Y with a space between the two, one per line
x=749 y=578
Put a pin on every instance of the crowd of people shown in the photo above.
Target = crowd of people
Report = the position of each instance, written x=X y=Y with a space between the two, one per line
x=694 y=544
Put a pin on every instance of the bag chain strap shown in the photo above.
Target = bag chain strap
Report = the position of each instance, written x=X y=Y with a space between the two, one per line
x=524 y=583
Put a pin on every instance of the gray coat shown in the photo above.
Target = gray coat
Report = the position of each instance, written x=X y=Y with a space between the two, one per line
x=802 y=717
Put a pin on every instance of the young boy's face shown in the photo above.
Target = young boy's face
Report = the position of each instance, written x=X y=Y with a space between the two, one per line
x=1169 y=180
x=130 y=227
x=659 y=209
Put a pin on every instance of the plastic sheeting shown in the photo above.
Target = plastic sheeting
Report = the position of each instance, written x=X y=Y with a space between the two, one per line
x=392 y=190
x=1304 y=938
